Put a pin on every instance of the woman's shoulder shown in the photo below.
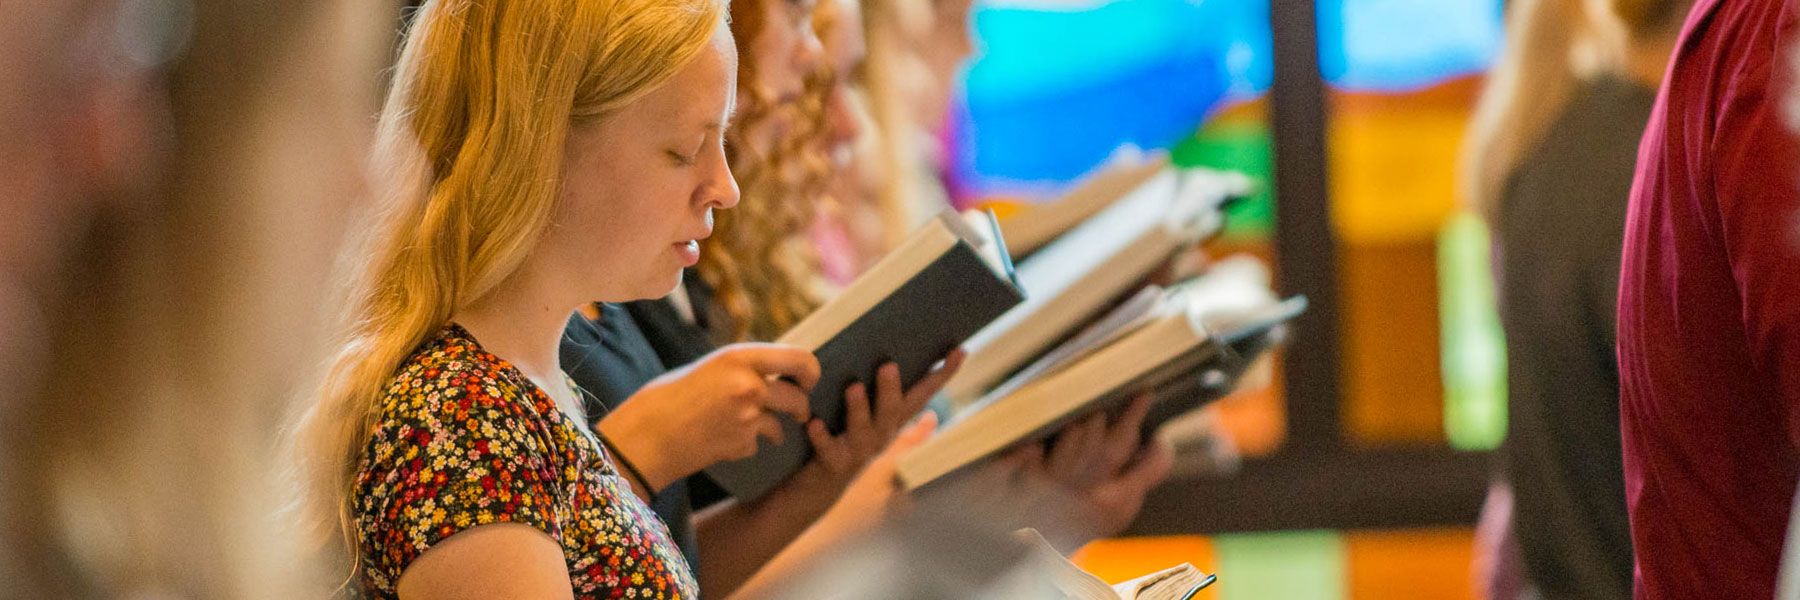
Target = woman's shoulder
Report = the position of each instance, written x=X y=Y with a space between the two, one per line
x=450 y=375
x=460 y=441
x=449 y=402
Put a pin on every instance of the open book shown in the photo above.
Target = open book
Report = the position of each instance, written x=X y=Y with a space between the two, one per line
x=1074 y=278
x=946 y=281
x=1179 y=582
x=1184 y=349
x=1035 y=225
x=1238 y=283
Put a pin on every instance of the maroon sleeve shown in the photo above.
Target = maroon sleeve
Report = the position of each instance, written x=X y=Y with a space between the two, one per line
x=1757 y=184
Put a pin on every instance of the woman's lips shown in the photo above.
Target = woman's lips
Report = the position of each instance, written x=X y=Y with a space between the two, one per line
x=689 y=251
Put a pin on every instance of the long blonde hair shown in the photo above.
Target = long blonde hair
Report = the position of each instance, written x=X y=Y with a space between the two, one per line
x=1550 y=46
x=757 y=261
x=483 y=98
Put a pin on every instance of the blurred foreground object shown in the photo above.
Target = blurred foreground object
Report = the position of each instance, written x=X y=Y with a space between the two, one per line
x=175 y=177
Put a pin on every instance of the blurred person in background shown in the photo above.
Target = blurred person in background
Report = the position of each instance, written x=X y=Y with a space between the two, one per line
x=1709 y=324
x=847 y=230
x=1549 y=163
x=916 y=52
x=755 y=279
x=174 y=177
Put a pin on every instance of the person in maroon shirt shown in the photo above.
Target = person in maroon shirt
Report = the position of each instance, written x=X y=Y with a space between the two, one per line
x=1709 y=311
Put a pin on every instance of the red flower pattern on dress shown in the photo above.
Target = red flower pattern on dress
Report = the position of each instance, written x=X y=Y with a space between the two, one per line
x=465 y=439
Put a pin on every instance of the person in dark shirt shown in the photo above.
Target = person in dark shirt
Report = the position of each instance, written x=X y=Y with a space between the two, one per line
x=1552 y=161
x=609 y=359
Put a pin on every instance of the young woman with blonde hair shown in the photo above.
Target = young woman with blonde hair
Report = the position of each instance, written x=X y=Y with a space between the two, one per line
x=551 y=152
x=753 y=281
x=1550 y=158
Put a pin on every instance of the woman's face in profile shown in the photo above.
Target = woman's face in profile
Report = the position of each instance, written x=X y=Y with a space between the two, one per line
x=784 y=52
x=640 y=185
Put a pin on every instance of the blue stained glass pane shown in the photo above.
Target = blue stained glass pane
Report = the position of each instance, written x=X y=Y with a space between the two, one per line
x=1058 y=87
x=1400 y=45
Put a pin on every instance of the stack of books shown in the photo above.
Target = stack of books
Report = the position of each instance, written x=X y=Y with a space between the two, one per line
x=1074 y=329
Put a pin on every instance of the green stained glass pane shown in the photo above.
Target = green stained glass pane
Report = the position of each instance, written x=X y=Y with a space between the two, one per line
x=1238 y=144
x=1278 y=565
x=1474 y=349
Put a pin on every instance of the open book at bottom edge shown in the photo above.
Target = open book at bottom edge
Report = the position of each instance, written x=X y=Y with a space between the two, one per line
x=1173 y=583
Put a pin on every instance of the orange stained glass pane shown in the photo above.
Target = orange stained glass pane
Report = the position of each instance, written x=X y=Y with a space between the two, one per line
x=1411 y=563
x=1122 y=559
x=1393 y=165
x=1393 y=161
x=1393 y=393
x=1003 y=206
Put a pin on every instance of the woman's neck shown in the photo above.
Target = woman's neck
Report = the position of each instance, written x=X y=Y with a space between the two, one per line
x=522 y=322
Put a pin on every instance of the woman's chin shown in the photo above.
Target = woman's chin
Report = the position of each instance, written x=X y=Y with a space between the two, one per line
x=663 y=287
x=648 y=289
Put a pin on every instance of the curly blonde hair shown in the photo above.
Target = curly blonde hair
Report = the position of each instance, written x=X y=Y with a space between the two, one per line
x=758 y=262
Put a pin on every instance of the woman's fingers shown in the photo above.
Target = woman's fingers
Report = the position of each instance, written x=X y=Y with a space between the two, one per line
x=786 y=399
x=769 y=428
x=1151 y=467
x=922 y=391
x=1069 y=460
x=861 y=431
x=1126 y=435
x=856 y=408
x=835 y=453
x=889 y=398
x=785 y=362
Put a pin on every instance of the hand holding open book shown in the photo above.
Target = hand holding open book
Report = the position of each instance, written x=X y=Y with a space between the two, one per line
x=1182 y=345
x=952 y=282
x=947 y=280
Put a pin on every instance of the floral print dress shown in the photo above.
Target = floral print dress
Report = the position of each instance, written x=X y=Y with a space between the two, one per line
x=465 y=439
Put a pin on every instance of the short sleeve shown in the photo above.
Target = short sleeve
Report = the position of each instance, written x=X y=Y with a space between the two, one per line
x=452 y=452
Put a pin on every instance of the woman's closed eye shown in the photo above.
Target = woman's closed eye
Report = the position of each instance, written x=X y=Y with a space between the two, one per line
x=684 y=160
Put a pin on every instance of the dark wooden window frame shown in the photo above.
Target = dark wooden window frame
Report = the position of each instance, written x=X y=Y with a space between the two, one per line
x=1315 y=480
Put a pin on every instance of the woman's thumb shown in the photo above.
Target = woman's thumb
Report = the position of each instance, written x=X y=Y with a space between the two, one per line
x=916 y=433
